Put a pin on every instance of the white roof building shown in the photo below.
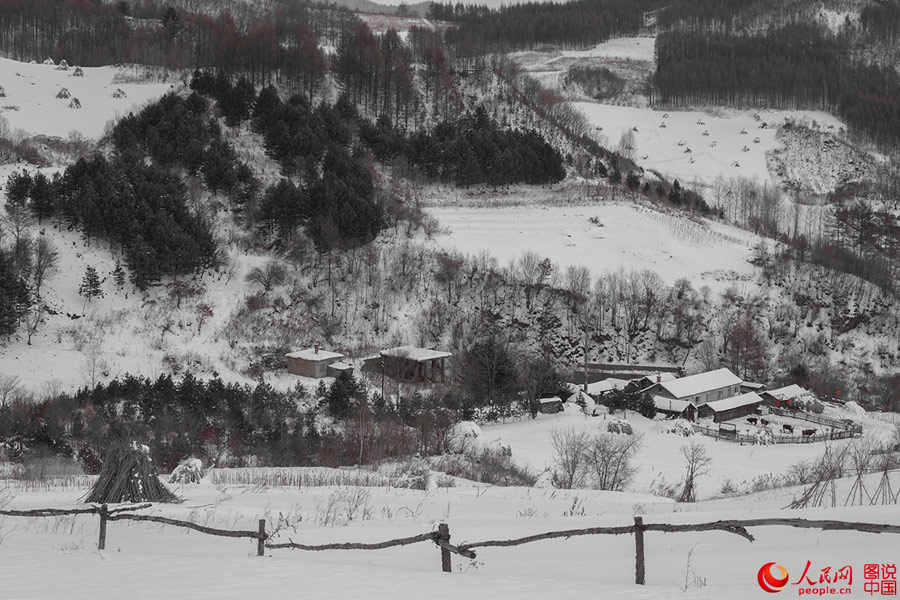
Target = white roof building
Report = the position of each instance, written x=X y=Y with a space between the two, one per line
x=700 y=383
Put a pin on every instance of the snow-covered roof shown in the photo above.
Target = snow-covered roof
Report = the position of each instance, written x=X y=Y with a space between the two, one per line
x=600 y=387
x=415 y=353
x=734 y=402
x=789 y=391
x=752 y=385
x=668 y=404
x=701 y=382
x=311 y=354
x=339 y=365
x=550 y=400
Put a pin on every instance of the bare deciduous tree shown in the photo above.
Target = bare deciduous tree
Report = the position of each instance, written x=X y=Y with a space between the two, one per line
x=609 y=459
x=9 y=385
x=570 y=447
x=696 y=465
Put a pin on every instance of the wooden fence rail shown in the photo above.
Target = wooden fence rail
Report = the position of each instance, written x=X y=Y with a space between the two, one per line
x=441 y=537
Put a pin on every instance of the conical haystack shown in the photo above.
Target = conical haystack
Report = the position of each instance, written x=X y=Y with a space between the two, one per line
x=128 y=475
x=63 y=94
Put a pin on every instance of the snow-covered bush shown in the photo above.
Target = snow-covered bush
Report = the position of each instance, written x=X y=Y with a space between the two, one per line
x=680 y=427
x=189 y=470
x=619 y=426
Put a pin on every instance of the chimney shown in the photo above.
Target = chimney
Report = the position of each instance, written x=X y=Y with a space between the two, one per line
x=316 y=348
x=658 y=378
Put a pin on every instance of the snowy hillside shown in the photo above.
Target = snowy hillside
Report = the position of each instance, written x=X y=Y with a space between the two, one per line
x=32 y=106
x=604 y=237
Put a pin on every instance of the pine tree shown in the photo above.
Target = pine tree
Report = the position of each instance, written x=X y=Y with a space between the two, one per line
x=90 y=284
x=119 y=275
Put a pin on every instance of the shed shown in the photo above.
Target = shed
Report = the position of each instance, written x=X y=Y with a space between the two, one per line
x=671 y=407
x=338 y=368
x=731 y=408
x=749 y=386
x=550 y=406
x=312 y=362
x=411 y=364
x=784 y=396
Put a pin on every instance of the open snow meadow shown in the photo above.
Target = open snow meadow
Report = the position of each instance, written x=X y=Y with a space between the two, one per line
x=603 y=237
x=34 y=104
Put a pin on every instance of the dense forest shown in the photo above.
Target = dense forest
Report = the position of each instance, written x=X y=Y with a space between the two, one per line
x=791 y=67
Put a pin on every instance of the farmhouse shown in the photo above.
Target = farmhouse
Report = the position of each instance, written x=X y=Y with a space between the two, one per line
x=410 y=364
x=699 y=389
x=730 y=408
x=313 y=362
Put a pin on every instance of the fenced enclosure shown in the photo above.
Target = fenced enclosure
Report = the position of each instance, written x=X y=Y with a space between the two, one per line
x=778 y=438
x=441 y=536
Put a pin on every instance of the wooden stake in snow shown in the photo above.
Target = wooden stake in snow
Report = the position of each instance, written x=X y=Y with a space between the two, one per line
x=639 y=564
x=104 y=512
x=444 y=531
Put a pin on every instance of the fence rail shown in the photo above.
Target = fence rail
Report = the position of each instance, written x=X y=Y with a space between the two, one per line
x=778 y=438
x=441 y=536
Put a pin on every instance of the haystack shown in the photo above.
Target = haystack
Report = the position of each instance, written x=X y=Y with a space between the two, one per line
x=189 y=470
x=128 y=475
x=62 y=66
x=49 y=61
x=119 y=93
x=78 y=72
x=63 y=94
x=2 y=92
x=75 y=103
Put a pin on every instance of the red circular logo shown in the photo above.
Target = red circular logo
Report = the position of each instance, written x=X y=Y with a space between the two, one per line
x=772 y=583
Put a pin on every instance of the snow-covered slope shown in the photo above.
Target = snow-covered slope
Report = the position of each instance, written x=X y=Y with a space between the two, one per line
x=31 y=104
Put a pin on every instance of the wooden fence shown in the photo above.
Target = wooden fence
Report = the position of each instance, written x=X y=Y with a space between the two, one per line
x=441 y=536
x=818 y=419
x=777 y=438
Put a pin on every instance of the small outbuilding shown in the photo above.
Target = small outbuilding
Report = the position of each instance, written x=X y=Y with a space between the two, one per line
x=673 y=408
x=730 y=408
x=312 y=362
x=410 y=364
x=550 y=406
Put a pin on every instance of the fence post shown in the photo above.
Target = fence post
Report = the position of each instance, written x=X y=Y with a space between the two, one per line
x=101 y=543
x=261 y=540
x=444 y=534
x=639 y=550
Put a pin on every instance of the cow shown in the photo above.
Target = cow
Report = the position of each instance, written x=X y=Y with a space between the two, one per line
x=787 y=428
x=808 y=432
x=751 y=420
x=764 y=422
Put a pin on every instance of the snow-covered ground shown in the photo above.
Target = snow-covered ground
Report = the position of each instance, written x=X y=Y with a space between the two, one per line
x=694 y=146
x=621 y=235
x=31 y=104
x=56 y=558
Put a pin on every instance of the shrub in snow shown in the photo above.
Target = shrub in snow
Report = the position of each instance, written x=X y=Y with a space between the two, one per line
x=855 y=409
x=763 y=437
x=680 y=427
x=463 y=436
x=75 y=103
x=544 y=480
x=189 y=470
x=63 y=94
x=620 y=426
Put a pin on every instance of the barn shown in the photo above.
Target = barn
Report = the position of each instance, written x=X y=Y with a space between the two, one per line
x=312 y=362
x=730 y=408
x=410 y=364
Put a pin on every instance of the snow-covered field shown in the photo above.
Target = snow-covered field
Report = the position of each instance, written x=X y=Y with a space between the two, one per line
x=31 y=104
x=694 y=146
x=56 y=558
x=623 y=235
